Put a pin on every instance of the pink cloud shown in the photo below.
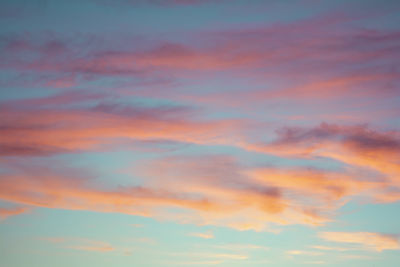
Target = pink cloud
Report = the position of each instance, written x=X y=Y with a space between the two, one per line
x=342 y=60
x=94 y=246
x=357 y=146
x=46 y=131
x=222 y=180
x=322 y=185
x=217 y=190
x=216 y=201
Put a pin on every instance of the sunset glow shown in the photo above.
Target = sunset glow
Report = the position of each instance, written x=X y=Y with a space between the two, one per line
x=199 y=132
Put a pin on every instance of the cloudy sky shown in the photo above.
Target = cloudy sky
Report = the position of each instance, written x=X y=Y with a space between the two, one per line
x=199 y=133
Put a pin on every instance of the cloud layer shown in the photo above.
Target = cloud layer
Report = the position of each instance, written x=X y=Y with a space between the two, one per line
x=216 y=122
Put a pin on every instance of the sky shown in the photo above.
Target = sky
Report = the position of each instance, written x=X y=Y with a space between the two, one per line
x=228 y=133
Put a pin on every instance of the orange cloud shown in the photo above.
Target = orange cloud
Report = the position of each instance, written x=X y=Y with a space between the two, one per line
x=241 y=247
x=36 y=132
x=207 y=235
x=356 y=146
x=62 y=192
x=7 y=212
x=329 y=185
x=206 y=190
x=326 y=88
x=81 y=244
x=367 y=240
x=221 y=256
x=332 y=248
x=303 y=252
x=217 y=199
x=221 y=180
x=231 y=256
x=96 y=246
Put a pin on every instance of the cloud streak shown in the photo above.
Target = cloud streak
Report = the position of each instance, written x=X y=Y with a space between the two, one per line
x=47 y=130
x=357 y=146
x=346 y=61
x=82 y=244
x=7 y=212
x=206 y=235
x=367 y=240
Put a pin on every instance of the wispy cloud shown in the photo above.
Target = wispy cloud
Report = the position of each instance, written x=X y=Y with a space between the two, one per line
x=94 y=246
x=214 y=190
x=50 y=131
x=357 y=146
x=303 y=253
x=82 y=244
x=137 y=225
x=315 y=262
x=12 y=211
x=367 y=240
x=241 y=247
x=261 y=124
x=330 y=248
x=206 y=235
